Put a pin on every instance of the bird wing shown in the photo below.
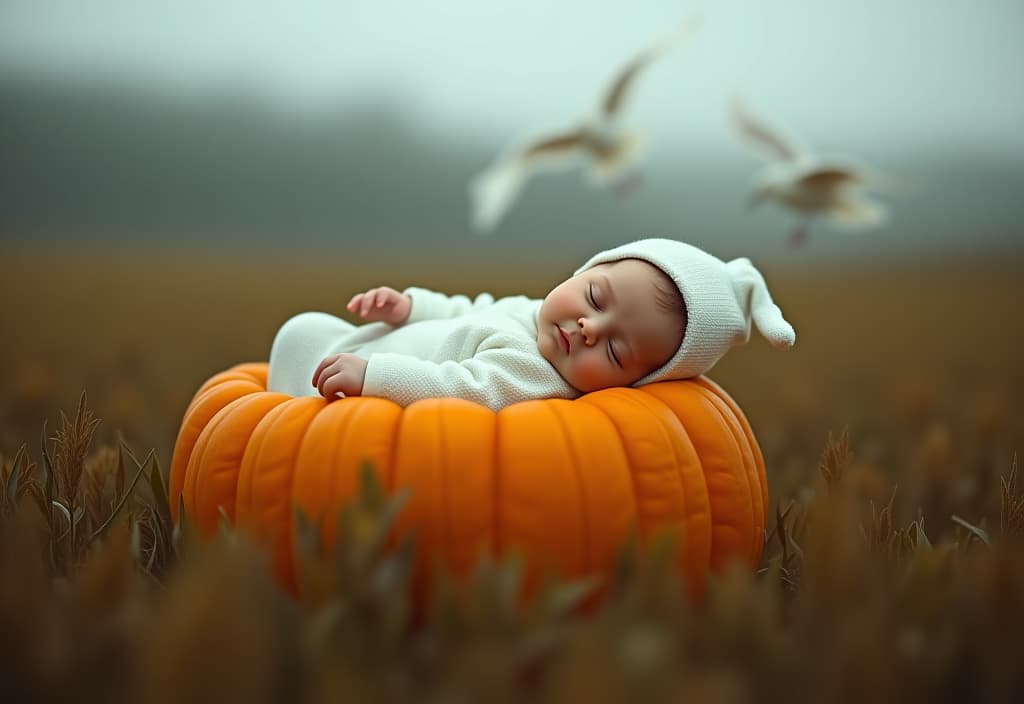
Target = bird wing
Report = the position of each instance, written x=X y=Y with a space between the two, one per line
x=615 y=97
x=493 y=191
x=881 y=181
x=556 y=146
x=826 y=178
x=765 y=138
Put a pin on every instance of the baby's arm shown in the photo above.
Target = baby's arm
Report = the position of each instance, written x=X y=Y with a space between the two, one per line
x=494 y=378
x=385 y=304
x=431 y=305
x=340 y=375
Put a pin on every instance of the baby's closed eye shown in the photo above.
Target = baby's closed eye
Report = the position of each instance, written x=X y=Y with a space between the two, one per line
x=613 y=354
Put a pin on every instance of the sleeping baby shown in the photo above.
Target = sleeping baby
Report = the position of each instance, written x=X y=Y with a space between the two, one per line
x=646 y=311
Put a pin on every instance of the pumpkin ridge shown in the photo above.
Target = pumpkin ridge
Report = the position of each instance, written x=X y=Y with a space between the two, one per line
x=643 y=402
x=419 y=469
x=758 y=491
x=647 y=399
x=757 y=509
x=497 y=536
x=339 y=440
x=243 y=494
x=705 y=410
x=640 y=404
x=345 y=436
x=748 y=431
x=282 y=418
x=637 y=513
x=196 y=460
x=715 y=442
x=258 y=509
x=324 y=518
x=457 y=480
x=257 y=371
x=694 y=536
x=247 y=487
x=246 y=407
x=197 y=417
x=289 y=559
x=220 y=381
x=388 y=473
x=442 y=443
x=570 y=442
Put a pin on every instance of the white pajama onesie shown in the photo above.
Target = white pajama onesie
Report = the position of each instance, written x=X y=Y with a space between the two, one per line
x=482 y=350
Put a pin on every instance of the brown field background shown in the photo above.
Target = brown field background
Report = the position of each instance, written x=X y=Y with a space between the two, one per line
x=904 y=355
x=892 y=569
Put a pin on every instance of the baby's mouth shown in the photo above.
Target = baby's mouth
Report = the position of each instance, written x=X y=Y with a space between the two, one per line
x=563 y=338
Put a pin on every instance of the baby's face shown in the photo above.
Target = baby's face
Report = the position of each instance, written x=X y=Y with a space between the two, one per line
x=604 y=327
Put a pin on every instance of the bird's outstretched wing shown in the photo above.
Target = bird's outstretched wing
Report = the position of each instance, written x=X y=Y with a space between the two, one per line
x=764 y=138
x=827 y=178
x=557 y=146
x=854 y=171
x=493 y=191
x=616 y=95
x=884 y=182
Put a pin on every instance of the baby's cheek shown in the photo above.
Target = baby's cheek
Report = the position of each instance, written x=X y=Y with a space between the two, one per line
x=546 y=348
x=592 y=373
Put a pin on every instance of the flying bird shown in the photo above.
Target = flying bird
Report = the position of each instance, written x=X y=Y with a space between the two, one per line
x=601 y=141
x=799 y=180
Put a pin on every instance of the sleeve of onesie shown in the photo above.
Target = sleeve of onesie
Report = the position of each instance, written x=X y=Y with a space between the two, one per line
x=431 y=305
x=494 y=378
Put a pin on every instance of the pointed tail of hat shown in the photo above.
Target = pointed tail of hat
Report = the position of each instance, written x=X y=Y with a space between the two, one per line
x=756 y=303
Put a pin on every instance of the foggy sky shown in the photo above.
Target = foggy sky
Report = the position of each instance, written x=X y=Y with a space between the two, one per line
x=847 y=76
x=304 y=117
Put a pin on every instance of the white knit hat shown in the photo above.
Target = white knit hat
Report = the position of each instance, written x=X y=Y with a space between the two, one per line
x=721 y=299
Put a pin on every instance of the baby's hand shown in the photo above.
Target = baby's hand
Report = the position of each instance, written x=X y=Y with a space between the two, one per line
x=381 y=304
x=340 y=375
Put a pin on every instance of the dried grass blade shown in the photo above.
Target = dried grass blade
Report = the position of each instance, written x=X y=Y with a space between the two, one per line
x=1011 y=509
x=119 y=475
x=12 y=479
x=117 y=509
x=178 y=533
x=156 y=483
x=785 y=514
x=47 y=480
x=66 y=512
x=979 y=532
x=920 y=537
x=834 y=459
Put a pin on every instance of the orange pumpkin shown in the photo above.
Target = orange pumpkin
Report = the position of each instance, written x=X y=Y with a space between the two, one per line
x=560 y=481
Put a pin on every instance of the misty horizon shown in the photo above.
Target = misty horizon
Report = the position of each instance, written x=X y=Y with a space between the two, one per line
x=107 y=161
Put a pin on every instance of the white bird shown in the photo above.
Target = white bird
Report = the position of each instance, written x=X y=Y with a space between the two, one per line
x=802 y=182
x=601 y=139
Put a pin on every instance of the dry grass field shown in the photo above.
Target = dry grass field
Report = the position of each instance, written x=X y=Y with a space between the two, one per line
x=879 y=346
x=894 y=568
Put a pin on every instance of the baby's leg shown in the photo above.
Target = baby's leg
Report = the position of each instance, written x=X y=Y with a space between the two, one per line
x=298 y=347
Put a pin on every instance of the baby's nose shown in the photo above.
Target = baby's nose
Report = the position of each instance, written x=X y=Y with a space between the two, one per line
x=587 y=330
